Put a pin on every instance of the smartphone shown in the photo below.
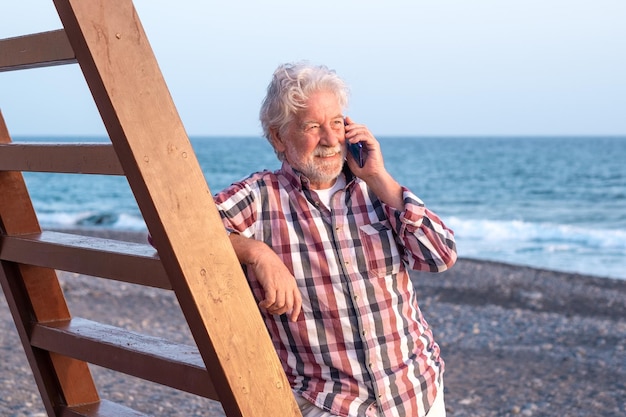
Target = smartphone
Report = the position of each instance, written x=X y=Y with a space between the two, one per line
x=356 y=149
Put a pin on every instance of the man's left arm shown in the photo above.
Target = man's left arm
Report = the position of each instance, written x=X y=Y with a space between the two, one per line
x=429 y=245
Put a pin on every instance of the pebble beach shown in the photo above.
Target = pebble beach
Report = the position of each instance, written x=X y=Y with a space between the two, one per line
x=517 y=341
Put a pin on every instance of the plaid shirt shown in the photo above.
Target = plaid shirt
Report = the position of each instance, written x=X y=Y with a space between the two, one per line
x=361 y=342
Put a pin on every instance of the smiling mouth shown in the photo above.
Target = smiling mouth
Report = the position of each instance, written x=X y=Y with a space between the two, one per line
x=328 y=153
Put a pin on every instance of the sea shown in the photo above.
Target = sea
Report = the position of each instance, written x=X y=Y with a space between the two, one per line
x=547 y=202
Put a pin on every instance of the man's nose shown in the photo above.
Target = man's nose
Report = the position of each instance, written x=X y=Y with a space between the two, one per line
x=330 y=136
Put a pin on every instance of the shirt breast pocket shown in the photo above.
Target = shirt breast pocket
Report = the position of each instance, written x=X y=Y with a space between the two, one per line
x=380 y=249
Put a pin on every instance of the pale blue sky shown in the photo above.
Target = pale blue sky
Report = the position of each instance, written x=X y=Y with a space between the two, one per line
x=438 y=67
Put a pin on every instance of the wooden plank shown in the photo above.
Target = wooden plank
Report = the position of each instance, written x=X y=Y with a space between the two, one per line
x=122 y=261
x=39 y=361
x=72 y=158
x=102 y=408
x=34 y=293
x=37 y=50
x=17 y=214
x=151 y=358
x=154 y=150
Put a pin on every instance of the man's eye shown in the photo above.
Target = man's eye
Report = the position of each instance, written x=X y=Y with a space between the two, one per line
x=311 y=126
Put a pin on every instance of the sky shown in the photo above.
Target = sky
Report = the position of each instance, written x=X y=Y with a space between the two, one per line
x=414 y=67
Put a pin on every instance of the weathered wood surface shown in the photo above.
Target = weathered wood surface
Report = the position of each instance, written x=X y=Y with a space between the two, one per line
x=152 y=150
x=106 y=258
x=35 y=51
x=176 y=203
x=71 y=158
x=34 y=294
x=147 y=357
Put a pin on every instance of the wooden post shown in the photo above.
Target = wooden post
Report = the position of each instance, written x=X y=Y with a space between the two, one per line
x=158 y=160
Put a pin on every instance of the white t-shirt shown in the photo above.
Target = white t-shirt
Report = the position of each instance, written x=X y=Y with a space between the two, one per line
x=326 y=194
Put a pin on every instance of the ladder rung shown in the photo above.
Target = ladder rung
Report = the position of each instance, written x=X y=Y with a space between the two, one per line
x=103 y=408
x=73 y=158
x=106 y=258
x=37 y=50
x=151 y=358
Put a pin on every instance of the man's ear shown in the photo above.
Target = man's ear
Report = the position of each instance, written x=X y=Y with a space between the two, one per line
x=277 y=140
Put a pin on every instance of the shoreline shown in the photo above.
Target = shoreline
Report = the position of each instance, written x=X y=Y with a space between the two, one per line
x=141 y=237
x=516 y=340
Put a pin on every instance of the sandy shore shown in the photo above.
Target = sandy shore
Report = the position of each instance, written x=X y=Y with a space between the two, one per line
x=516 y=340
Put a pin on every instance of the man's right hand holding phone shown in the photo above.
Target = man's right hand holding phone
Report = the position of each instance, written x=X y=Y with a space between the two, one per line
x=373 y=170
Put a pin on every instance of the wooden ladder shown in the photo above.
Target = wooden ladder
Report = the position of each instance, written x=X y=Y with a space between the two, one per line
x=235 y=362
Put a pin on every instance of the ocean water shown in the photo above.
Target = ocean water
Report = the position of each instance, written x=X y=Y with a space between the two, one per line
x=554 y=202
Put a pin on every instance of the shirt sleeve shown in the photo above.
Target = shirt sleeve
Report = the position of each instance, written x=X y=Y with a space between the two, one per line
x=237 y=207
x=428 y=243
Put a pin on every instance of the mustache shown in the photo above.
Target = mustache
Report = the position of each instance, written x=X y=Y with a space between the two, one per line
x=324 y=151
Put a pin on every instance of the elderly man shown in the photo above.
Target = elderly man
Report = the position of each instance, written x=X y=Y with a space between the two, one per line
x=326 y=244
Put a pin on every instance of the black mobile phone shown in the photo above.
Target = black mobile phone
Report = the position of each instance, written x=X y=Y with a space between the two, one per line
x=356 y=149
